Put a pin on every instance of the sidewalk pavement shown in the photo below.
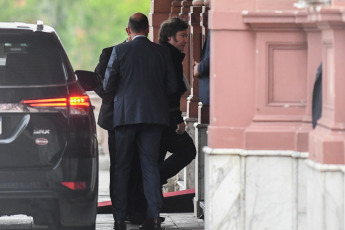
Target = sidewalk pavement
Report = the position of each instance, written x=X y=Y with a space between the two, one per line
x=172 y=220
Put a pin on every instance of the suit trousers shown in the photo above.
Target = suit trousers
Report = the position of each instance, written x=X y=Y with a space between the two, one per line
x=145 y=139
x=136 y=200
x=183 y=152
x=112 y=152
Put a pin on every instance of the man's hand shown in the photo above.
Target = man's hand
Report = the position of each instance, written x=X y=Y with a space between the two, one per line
x=181 y=128
x=196 y=72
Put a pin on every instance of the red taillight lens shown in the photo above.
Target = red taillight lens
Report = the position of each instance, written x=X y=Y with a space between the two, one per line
x=78 y=104
x=75 y=185
x=79 y=101
x=53 y=102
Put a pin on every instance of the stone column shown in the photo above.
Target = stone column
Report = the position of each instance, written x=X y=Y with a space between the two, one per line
x=204 y=110
x=184 y=11
x=327 y=141
x=159 y=12
x=326 y=170
x=176 y=8
x=195 y=50
x=258 y=102
x=199 y=34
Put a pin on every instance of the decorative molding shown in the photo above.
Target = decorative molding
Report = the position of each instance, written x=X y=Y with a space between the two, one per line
x=263 y=153
x=272 y=49
x=325 y=167
x=329 y=70
x=311 y=3
x=198 y=2
x=272 y=20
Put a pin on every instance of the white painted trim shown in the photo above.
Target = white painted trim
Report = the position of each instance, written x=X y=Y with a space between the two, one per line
x=244 y=153
x=325 y=167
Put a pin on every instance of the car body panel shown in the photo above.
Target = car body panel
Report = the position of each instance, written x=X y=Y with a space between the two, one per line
x=48 y=142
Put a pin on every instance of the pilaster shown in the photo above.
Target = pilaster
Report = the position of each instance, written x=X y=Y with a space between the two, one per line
x=200 y=143
x=250 y=189
x=327 y=141
x=187 y=67
x=195 y=50
x=283 y=84
x=175 y=8
x=159 y=12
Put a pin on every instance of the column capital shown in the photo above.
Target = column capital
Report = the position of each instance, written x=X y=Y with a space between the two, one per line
x=176 y=3
x=198 y=2
x=187 y=3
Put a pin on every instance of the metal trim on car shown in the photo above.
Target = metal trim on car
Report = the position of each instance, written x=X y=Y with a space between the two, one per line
x=20 y=128
x=37 y=86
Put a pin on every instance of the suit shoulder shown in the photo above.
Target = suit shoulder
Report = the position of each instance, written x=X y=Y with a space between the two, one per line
x=108 y=49
x=163 y=49
x=122 y=45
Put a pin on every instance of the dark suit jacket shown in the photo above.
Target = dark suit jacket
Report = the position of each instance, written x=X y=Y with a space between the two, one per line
x=105 y=117
x=141 y=76
x=204 y=73
x=317 y=97
x=174 y=99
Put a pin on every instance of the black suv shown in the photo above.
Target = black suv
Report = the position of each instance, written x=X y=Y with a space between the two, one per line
x=48 y=144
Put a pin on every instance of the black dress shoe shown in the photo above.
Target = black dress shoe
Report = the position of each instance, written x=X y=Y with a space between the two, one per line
x=137 y=218
x=151 y=224
x=162 y=219
x=119 y=225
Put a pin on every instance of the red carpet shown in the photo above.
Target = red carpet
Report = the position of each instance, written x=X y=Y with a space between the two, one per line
x=173 y=202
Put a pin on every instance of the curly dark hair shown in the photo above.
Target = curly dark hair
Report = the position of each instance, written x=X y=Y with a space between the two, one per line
x=170 y=27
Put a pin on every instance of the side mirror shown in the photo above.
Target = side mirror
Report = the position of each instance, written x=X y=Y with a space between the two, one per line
x=88 y=80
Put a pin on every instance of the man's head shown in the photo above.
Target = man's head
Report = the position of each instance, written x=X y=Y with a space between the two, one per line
x=174 y=31
x=138 y=24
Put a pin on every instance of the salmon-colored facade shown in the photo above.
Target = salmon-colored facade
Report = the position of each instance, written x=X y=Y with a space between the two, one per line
x=264 y=166
x=260 y=164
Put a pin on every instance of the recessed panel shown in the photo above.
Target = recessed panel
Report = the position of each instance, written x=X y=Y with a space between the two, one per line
x=287 y=74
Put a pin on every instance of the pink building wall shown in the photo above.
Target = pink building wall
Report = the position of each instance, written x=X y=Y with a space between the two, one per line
x=260 y=141
x=264 y=56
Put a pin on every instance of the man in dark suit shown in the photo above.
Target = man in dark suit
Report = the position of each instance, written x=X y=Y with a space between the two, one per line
x=173 y=34
x=317 y=97
x=140 y=75
x=105 y=117
x=202 y=70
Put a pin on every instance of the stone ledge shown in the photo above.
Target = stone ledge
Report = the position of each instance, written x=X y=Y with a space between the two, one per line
x=242 y=152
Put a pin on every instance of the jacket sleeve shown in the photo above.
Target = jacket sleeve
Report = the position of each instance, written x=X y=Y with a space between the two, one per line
x=100 y=69
x=317 y=97
x=111 y=73
x=204 y=65
x=171 y=84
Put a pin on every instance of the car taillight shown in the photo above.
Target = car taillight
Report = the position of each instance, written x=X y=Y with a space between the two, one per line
x=78 y=105
x=75 y=185
x=53 y=102
x=79 y=101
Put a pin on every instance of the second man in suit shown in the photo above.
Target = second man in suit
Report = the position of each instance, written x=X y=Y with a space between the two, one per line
x=139 y=75
x=173 y=34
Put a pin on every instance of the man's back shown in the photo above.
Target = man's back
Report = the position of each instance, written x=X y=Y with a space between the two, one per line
x=142 y=83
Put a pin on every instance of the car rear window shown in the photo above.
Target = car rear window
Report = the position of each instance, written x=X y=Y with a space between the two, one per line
x=31 y=59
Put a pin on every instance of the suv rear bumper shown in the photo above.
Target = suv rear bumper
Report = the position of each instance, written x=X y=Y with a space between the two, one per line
x=46 y=199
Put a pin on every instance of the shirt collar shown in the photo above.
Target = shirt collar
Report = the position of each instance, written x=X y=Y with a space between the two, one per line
x=137 y=36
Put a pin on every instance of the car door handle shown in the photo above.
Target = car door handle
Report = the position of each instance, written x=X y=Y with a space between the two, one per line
x=19 y=129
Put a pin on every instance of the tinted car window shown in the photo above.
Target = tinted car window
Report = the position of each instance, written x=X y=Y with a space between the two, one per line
x=31 y=59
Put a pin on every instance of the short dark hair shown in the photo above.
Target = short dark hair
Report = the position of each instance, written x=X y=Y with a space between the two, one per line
x=138 y=22
x=170 y=27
